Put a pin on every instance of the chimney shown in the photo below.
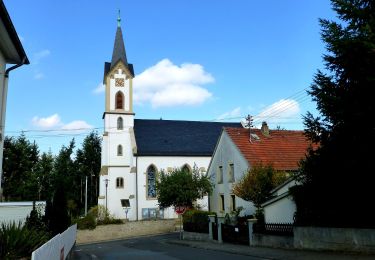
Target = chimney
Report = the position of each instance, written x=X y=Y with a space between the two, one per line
x=265 y=130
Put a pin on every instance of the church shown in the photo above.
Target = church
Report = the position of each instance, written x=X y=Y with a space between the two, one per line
x=135 y=150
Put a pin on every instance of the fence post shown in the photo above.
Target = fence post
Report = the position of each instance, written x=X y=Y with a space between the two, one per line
x=250 y=223
x=220 y=220
x=210 y=231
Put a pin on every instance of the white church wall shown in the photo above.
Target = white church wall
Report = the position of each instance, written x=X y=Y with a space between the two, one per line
x=114 y=194
x=124 y=90
x=165 y=163
x=225 y=154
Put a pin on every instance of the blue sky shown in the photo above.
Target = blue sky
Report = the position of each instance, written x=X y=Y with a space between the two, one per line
x=193 y=60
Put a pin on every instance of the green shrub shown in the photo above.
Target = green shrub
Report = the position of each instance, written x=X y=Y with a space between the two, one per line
x=18 y=241
x=196 y=220
x=87 y=222
x=109 y=220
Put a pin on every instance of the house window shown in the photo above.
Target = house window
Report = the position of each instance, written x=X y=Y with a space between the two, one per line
x=231 y=173
x=151 y=182
x=222 y=202
x=119 y=182
x=220 y=174
x=119 y=150
x=119 y=100
x=233 y=202
x=186 y=168
x=120 y=123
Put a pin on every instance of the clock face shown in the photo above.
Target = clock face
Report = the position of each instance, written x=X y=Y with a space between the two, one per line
x=119 y=82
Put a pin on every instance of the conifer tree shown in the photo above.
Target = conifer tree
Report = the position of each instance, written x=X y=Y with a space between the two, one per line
x=337 y=180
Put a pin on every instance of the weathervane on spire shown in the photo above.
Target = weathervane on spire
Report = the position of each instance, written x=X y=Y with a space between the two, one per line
x=118 y=19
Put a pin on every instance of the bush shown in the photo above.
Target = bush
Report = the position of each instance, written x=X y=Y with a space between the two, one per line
x=87 y=222
x=196 y=220
x=109 y=220
x=18 y=241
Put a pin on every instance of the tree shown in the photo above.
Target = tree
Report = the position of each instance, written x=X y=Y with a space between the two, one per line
x=336 y=181
x=181 y=187
x=43 y=172
x=88 y=162
x=256 y=185
x=20 y=159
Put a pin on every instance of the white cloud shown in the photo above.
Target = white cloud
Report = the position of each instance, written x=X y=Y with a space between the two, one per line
x=166 y=84
x=231 y=114
x=38 y=75
x=281 y=112
x=99 y=89
x=47 y=122
x=54 y=122
x=77 y=126
x=40 y=55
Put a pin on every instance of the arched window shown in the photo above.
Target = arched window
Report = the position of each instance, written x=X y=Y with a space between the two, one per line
x=119 y=182
x=151 y=182
x=119 y=100
x=119 y=150
x=120 y=123
x=186 y=168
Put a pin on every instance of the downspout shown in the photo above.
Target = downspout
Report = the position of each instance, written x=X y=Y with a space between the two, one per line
x=3 y=109
x=136 y=186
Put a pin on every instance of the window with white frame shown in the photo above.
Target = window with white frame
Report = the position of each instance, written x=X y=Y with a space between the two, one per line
x=119 y=150
x=119 y=182
x=231 y=172
x=220 y=174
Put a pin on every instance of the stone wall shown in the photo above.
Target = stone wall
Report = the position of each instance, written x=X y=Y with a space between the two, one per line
x=195 y=236
x=342 y=239
x=127 y=230
x=272 y=241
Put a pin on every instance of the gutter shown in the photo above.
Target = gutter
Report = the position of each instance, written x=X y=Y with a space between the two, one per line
x=15 y=67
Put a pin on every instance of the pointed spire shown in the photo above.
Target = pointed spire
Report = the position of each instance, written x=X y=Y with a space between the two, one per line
x=119 y=46
x=119 y=19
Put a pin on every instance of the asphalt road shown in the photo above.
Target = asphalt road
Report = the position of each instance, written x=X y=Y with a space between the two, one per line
x=155 y=247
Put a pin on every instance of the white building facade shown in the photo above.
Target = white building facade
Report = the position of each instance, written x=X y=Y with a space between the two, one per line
x=238 y=150
x=11 y=52
x=134 y=151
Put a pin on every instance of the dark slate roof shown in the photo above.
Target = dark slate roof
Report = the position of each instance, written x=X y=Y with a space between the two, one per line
x=119 y=49
x=183 y=138
x=118 y=54
x=11 y=31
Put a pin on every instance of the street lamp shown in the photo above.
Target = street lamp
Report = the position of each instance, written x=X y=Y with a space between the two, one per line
x=106 y=188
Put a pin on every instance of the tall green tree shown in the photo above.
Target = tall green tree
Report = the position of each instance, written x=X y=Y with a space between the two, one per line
x=181 y=187
x=44 y=177
x=88 y=160
x=337 y=177
x=19 y=178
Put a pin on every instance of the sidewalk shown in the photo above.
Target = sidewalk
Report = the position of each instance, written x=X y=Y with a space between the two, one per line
x=271 y=253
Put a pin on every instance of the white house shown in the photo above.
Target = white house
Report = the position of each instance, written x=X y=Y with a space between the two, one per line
x=235 y=154
x=11 y=52
x=135 y=150
x=281 y=208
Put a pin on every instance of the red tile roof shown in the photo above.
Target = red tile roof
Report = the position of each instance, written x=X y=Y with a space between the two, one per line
x=283 y=149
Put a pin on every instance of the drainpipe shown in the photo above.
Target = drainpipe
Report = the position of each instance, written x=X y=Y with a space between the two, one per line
x=136 y=186
x=2 y=115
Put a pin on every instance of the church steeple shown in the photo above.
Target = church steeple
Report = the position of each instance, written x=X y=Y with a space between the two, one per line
x=119 y=46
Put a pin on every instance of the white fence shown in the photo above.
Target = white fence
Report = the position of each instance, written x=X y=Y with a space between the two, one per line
x=58 y=247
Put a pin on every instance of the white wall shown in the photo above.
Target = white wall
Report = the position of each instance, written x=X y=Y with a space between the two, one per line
x=3 y=96
x=125 y=91
x=281 y=211
x=163 y=162
x=18 y=211
x=227 y=152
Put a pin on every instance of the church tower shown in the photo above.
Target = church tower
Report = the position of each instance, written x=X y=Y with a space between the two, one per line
x=117 y=177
